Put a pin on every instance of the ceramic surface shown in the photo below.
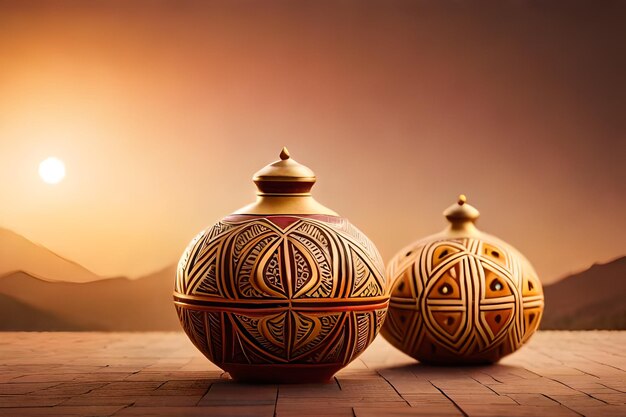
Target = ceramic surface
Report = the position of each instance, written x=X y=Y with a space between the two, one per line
x=461 y=296
x=284 y=296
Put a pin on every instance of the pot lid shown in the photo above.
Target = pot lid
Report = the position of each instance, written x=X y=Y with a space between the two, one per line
x=285 y=169
x=462 y=215
x=284 y=187
x=285 y=176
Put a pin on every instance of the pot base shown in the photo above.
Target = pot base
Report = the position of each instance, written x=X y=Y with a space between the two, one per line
x=282 y=374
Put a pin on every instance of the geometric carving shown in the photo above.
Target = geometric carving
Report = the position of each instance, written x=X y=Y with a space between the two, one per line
x=298 y=290
x=461 y=300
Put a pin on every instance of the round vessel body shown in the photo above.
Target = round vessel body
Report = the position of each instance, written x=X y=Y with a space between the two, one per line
x=461 y=297
x=281 y=298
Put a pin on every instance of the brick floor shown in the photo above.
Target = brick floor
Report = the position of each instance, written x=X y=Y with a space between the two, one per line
x=162 y=374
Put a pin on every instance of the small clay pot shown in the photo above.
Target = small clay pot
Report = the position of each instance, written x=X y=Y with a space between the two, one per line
x=461 y=296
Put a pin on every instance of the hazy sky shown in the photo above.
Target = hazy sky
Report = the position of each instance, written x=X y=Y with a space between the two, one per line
x=162 y=111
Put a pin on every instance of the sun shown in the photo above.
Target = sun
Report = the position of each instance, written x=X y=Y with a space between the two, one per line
x=52 y=170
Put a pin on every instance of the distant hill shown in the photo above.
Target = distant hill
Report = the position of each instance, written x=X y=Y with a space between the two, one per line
x=20 y=254
x=116 y=304
x=15 y=315
x=592 y=299
x=35 y=296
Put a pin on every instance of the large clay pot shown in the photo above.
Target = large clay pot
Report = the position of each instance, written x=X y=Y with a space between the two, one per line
x=282 y=290
x=461 y=296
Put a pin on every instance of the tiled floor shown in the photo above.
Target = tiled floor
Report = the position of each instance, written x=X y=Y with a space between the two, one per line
x=162 y=374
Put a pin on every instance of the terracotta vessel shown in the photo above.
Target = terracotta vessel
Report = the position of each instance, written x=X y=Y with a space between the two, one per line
x=282 y=290
x=461 y=296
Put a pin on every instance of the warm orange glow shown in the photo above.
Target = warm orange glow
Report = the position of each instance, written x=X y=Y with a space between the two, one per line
x=164 y=112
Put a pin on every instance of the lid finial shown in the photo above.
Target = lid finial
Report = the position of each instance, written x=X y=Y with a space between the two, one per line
x=461 y=215
x=284 y=154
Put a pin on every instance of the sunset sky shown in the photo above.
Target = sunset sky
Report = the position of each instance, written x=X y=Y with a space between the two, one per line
x=163 y=111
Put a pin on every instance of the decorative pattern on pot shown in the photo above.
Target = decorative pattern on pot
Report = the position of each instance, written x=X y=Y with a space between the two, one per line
x=283 y=290
x=462 y=296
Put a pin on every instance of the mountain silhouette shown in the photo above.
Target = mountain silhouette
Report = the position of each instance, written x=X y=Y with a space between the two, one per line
x=18 y=316
x=35 y=295
x=592 y=299
x=20 y=254
x=116 y=304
